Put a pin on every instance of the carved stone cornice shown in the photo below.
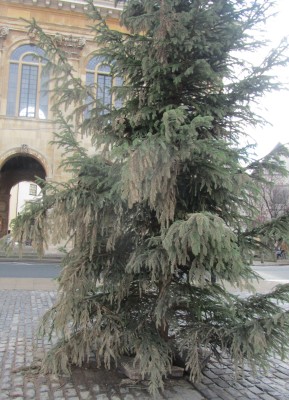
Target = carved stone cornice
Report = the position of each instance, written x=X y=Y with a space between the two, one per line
x=69 y=41
x=72 y=45
x=105 y=7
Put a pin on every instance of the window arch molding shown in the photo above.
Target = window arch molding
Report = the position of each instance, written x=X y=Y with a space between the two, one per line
x=28 y=83
x=99 y=75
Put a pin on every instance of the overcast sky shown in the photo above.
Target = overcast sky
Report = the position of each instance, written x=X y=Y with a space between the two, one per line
x=275 y=106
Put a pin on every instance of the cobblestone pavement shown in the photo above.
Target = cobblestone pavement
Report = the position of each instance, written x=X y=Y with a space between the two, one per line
x=20 y=312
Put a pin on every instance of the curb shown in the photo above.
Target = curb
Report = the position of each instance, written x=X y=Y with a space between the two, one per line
x=43 y=260
x=270 y=263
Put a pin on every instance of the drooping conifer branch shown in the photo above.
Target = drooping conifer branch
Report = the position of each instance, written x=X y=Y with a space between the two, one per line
x=164 y=212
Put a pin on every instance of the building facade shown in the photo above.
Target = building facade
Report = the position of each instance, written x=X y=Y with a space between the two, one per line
x=21 y=194
x=26 y=122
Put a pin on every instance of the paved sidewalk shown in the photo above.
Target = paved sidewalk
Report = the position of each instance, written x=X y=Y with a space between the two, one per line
x=20 y=312
x=28 y=284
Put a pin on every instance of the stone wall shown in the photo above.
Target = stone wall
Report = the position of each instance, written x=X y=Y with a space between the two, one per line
x=32 y=136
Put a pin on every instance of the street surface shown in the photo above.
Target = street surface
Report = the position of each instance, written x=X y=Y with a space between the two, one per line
x=24 y=269
x=21 y=311
x=273 y=273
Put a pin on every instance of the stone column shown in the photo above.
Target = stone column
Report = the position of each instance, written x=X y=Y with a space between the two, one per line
x=4 y=213
x=4 y=30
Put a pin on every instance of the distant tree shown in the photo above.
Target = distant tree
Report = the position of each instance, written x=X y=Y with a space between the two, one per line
x=163 y=213
x=274 y=201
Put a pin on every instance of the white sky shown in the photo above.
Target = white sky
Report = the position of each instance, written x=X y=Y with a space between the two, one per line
x=275 y=106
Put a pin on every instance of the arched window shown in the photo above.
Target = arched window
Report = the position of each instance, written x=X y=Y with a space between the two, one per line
x=28 y=84
x=98 y=73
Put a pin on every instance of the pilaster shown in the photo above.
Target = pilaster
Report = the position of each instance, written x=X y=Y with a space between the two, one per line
x=4 y=30
x=4 y=213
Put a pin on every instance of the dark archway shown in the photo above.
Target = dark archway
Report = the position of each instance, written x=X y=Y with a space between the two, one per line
x=16 y=169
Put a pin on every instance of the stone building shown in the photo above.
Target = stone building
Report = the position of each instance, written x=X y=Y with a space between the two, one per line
x=26 y=123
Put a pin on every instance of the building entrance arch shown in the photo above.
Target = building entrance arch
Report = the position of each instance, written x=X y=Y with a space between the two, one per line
x=15 y=169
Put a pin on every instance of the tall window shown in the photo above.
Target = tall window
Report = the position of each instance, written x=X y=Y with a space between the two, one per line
x=98 y=73
x=28 y=84
x=33 y=189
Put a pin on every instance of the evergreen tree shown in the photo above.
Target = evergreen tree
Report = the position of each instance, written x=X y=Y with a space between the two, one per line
x=163 y=213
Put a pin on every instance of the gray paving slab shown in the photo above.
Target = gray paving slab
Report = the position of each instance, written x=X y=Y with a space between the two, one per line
x=34 y=284
x=20 y=311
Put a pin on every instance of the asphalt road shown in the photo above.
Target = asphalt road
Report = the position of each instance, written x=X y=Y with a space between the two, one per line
x=273 y=273
x=28 y=270
x=17 y=269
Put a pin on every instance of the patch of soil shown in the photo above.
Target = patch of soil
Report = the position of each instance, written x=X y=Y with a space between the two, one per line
x=91 y=373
